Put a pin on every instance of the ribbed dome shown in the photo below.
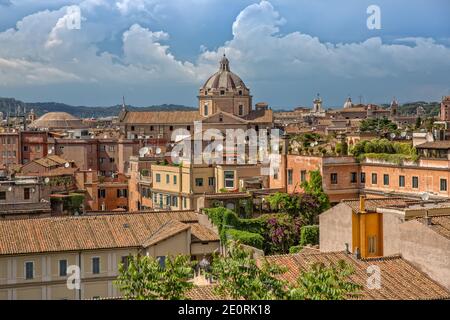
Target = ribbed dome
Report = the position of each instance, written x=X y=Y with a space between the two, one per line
x=58 y=120
x=348 y=103
x=224 y=78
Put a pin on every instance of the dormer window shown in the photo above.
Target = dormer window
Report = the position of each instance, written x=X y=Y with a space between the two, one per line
x=220 y=118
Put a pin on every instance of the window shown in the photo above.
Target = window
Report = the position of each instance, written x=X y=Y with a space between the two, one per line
x=275 y=173
x=372 y=244
x=184 y=202
x=102 y=148
x=229 y=179
x=222 y=92
x=199 y=182
x=211 y=181
x=303 y=176
x=111 y=160
x=171 y=128
x=152 y=128
x=353 y=177
x=132 y=128
x=96 y=265
x=101 y=193
x=2 y=195
x=29 y=270
x=167 y=179
x=241 y=109
x=443 y=184
x=240 y=92
x=401 y=181
x=205 y=110
x=38 y=148
x=62 y=268
x=124 y=262
x=386 y=179
x=188 y=128
x=168 y=200
x=175 y=201
x=334 y=178
x=25 y=148
x=374 y=178
x=289 y=176
x=102 y=160
x=26 y=193
x=174 y=179
x=158 y=177
x=122 y=193
x=112 y=148
x=415 y=182
x=162 y=261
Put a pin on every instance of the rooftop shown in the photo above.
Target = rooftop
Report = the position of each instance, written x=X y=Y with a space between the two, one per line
x=111 y=230
x=439 y=224
x=399 y=279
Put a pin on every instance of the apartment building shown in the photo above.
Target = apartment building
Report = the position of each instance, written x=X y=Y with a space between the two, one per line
x=38 y=256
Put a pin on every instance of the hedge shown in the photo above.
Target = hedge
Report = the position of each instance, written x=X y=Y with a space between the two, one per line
x=245 y=237
x=309 y=235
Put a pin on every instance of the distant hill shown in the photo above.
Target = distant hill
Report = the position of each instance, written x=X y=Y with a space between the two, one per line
x=11 y=104
x=431 y=108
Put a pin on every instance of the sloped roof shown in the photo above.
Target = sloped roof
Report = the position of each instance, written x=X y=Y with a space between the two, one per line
x=439 y=224
x=167 y=230
x=442 y=144
x=399 y=279
x=202 y=233
x=260 y=116
x=165 y=117
x=115 y=230
x=371 y=204
x=51 y=160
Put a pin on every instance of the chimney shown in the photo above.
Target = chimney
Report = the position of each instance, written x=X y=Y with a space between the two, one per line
x=347 y=251
x=357 y=253
x=362 y=203
x=427 y=219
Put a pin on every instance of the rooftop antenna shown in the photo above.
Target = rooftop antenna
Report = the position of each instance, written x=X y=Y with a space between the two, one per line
x=360 y=99
x=123 y=103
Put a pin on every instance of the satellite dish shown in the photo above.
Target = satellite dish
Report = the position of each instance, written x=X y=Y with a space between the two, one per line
x=425 y=196
x=143 y=151
x=392 y=135
x=50 y=151
x=66 y=165
x=47 y=180
x=158 y=150
x=312 y=144
x=219 y=147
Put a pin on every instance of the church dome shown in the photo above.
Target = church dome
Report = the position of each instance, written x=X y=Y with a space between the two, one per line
x=58 y=120
x=348 y=103
x=224 y=78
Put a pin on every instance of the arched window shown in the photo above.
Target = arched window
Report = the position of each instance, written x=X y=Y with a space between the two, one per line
x=205 y=110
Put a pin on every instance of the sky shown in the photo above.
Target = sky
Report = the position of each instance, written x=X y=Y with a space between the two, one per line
x=93 y=52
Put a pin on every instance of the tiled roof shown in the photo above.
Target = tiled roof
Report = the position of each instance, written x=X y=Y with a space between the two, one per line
x=371 y=204
x=50 y=161
x=227 y=195
x=204 y=293
x=260 y=116
x=202 y=233
x=25 y=208
x=399 y=279
x=118 y=230
x=439 y=224
x=167 y=230
x=166 y=117
x=443 y=144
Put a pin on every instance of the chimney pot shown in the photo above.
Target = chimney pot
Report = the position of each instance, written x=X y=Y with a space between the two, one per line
x=362 y=203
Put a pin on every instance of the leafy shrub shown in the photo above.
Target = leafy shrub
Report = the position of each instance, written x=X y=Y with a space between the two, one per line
x=295 y=249
x=309 y=235
x=245 y=237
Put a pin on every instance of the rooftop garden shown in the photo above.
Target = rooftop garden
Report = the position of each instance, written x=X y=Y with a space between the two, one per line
x=316 y=145
x=383 y=149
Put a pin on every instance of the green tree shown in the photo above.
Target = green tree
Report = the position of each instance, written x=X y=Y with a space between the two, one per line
x=145 y=278
x=239 y=277
x=315 y=188
x=383 y=125
x=323 y=282
x=418 y=122
x=284 y=202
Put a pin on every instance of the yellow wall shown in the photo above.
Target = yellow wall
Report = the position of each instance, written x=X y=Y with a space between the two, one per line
x=364 y=226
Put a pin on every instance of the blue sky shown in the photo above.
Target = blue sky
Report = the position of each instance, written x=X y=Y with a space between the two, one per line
x=161 y=51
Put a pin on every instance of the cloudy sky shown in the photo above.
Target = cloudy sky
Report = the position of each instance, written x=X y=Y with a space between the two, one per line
x=161 y=51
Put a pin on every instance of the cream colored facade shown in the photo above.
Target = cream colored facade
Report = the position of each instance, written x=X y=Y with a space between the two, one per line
x=179 y=187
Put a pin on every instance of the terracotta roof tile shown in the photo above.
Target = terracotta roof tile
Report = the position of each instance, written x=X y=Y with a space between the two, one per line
x=167 y=117
x=202 y=233
x=439 y=224
x=20 y=236
x=170 y=228
x=399 y=279
x=371 y=204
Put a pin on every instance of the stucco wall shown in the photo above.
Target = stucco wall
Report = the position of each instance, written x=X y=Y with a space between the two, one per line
x=336 y=228
x=391 y=233
x=427 y=250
